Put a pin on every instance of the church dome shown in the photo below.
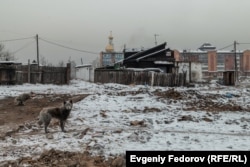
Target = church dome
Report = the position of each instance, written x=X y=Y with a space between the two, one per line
x=109 y=48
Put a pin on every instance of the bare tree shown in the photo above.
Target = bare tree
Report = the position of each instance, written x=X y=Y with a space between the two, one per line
x=50 y=64
x=43 y=61
x=5 y=55
x=61 y=63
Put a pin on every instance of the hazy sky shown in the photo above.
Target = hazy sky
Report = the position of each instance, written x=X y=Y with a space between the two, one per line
x=86 y=24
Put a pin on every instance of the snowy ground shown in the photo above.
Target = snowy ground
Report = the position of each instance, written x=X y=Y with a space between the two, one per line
x=110 y=108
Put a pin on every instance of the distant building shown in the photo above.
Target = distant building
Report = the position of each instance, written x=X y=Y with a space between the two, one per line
x=215 y=62
x=207 y=47
x=109 y=57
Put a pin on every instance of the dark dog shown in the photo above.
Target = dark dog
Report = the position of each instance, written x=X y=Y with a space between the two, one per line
x=60 y=113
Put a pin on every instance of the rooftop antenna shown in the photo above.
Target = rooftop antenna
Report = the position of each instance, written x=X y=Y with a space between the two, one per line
x=155 y=38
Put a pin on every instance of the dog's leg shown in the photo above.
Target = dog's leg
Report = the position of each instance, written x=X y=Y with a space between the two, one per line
x=46 y=124
x=62 y=125
x=19 y=103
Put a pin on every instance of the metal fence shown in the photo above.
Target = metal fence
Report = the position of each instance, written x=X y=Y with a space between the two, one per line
x=139 y=78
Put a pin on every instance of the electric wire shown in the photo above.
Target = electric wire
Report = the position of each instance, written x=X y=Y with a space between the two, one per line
x=245 y=43
x=10 y=40
x=23 y=47
x=226 y=47
x=67 y=47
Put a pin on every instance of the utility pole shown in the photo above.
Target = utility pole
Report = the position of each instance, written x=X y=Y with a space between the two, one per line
x=155 y=39
x=37 y=50
x=235 y=64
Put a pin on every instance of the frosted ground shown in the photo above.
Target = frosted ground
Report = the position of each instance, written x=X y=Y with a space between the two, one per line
x=102 y=122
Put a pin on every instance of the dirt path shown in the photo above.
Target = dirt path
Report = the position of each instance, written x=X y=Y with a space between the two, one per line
x=13 y=117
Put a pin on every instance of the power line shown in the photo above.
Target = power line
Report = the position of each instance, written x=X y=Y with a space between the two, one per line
x=9 y=40
x=26 y=45
x=244 y=43
x=67 y=47
x=226 y=46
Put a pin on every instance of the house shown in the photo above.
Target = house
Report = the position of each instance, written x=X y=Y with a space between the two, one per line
x=155 y=57
x=83 y=72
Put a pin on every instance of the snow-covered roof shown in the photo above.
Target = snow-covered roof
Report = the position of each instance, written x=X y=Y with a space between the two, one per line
x=207 y=46
x=9 y=62
x=229 y=51
x=192 y=51
x=83 y=65
x=203 y=52
x=163 y=62
x=145 y=69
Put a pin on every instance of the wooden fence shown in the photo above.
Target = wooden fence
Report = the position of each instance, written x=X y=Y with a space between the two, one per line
x=7 y=75
x=32 y=74
x=54 y=75
x=139 y=78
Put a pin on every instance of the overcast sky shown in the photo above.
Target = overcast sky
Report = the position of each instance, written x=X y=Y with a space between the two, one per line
x=86 y=24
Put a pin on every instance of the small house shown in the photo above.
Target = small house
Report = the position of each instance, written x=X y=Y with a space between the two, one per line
x=83 y=72
x=155 y=57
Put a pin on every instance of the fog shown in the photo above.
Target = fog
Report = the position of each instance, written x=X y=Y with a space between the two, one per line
x=86 y=25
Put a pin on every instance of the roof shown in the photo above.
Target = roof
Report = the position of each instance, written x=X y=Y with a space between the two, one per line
x=207 y=46
x=9 y=62
x=152 y=54
x=83 y=65
x=204 y=52
x=148 y=51
x=144 y=69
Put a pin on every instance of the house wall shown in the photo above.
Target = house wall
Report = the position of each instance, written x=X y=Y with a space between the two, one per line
x=212 y=61
x=177 y=55
x=196 y=71
x=83 y=73
x=193 y=70
x=229 y=62
x=246 y=61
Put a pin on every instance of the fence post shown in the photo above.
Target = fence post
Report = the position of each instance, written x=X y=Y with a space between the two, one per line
x=29 y=71
x=152 y=78
x=68 y=73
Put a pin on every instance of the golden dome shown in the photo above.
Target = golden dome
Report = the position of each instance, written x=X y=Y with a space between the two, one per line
x=109 y=48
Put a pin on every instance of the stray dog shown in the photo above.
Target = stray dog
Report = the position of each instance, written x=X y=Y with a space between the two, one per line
x=19 y=100
x=60 y=113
